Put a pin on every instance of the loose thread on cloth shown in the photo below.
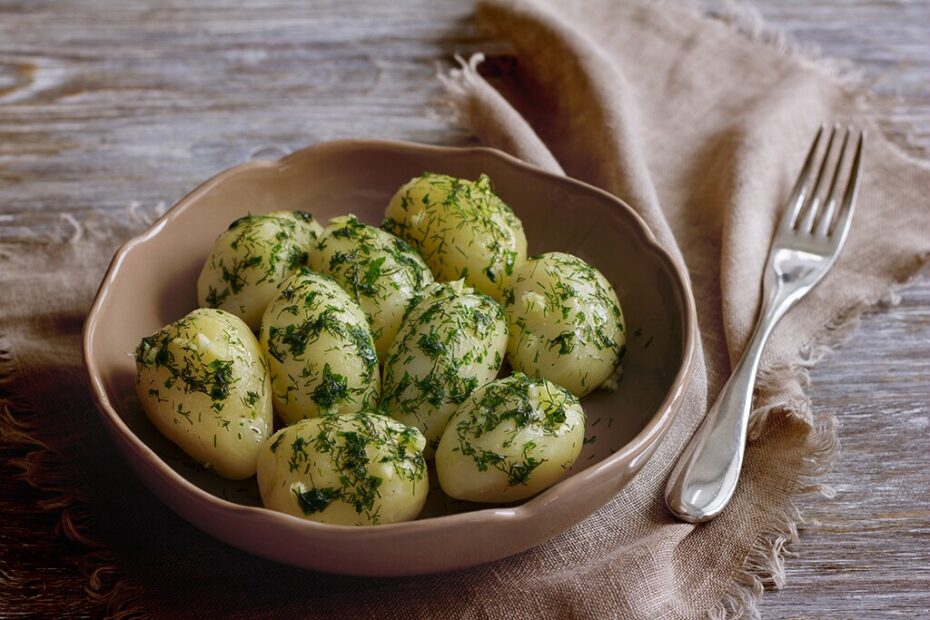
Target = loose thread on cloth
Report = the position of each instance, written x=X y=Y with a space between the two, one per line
x=764 y=565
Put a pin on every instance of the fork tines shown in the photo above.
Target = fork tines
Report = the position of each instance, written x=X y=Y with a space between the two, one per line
x=812 y=209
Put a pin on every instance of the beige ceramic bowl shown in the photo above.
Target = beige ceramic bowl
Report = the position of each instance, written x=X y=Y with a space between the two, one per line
x=152 y=281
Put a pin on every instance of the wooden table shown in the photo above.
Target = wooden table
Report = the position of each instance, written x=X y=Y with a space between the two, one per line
x=120 y=105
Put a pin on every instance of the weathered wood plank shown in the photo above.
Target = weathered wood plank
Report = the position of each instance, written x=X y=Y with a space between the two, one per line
x=154 y=100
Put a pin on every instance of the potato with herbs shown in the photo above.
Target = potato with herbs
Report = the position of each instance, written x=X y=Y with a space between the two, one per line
x=511 y=439
x=461 y=228
x=359 y=469
x=319 y=349
x=565 y=322
x=378 y=270
x=203 y=383
x=450 y=343
x=250 y=259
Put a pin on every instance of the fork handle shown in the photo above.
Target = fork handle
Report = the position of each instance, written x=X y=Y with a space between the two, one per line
x=703 y=480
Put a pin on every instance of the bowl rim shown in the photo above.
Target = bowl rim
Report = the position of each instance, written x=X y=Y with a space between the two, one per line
x=640 y=447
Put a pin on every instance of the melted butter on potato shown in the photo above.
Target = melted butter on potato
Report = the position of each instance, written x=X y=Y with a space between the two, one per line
x=450 y=343
x=319 y=350
x=251 y=258
x=379 y=271
x=565 y=322
x=511 y=439
x=359 y=469
x=462 y=229
x=203 y=383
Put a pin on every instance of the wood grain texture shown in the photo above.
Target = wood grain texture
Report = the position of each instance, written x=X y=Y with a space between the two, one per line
x=129 y=105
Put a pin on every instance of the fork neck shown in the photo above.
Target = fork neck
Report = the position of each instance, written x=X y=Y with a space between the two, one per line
x=777 y=298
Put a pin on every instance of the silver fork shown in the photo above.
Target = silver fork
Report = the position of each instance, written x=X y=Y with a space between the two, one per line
x=806 y=243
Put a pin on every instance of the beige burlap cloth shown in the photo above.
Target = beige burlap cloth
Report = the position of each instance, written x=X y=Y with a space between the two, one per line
x=701 y=129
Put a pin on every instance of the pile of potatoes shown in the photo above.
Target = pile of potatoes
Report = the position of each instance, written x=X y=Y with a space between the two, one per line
x=380 y=349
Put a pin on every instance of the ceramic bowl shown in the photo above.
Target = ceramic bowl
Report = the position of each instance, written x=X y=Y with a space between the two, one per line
x=152 y=281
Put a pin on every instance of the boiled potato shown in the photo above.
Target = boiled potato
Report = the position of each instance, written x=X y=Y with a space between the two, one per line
x=511 y=439
x=251 y=258
x=378 y=270
x=358 y=469
x=565 y=322
x=203 y=383
x=461 y=228
x=450 y=343
x=319 y=349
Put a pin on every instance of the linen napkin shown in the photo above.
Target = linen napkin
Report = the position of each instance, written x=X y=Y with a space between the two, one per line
x=701 y=129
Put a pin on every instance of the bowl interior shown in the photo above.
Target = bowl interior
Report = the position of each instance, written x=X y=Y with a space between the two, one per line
x=155 y=282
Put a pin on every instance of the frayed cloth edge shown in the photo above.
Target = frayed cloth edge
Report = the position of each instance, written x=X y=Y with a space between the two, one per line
x=106 y=585
x=764 y=565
